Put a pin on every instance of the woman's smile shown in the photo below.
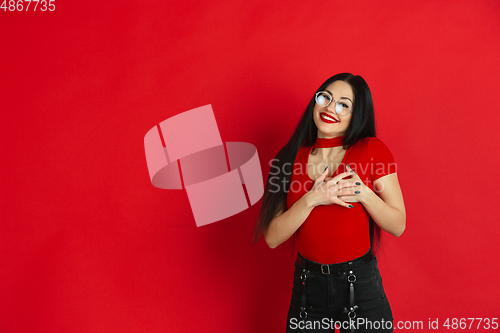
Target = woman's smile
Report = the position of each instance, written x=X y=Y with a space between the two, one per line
x=328 y=118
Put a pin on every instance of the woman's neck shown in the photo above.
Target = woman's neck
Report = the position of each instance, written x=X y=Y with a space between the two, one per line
x=329 y=147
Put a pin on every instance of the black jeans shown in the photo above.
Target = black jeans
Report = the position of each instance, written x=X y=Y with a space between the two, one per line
x=327 y=301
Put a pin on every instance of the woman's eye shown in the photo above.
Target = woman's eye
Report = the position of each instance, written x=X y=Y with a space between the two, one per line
x=344 y=105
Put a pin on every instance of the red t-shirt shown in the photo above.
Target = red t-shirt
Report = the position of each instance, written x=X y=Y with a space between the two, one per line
x=332 y=233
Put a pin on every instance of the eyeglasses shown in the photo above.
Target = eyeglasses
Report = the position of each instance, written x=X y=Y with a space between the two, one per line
x=323 y=99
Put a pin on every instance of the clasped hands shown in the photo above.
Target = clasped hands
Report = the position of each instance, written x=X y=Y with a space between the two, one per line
x=341 y=190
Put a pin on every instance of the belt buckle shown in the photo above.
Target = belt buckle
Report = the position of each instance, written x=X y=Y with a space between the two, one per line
x=325 y=271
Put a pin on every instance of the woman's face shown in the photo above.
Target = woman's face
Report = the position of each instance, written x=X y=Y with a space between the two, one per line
x=329 y=123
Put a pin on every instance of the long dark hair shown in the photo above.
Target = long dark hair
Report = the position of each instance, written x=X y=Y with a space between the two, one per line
x=362 y=125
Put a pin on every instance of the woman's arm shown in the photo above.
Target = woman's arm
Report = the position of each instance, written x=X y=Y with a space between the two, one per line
x=387 y=208
x=286 y=223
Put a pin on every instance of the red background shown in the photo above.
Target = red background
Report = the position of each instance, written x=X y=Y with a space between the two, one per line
x=87 y=244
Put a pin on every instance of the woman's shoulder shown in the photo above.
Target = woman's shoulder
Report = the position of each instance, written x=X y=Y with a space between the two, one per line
x=373 y=149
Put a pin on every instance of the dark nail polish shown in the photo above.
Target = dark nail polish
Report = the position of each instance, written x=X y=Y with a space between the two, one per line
x=357 y=192
x=352 y=171
x=358 y=183
x=325 y=168
x=351 y=206
x=348 y=166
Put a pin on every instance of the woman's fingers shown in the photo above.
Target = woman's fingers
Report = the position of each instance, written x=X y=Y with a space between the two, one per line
x=322 y=177
x=337 y=188
x=349 y=198
x=339 y=202
x=344 y=184
x=340 y=176
x=343 y=192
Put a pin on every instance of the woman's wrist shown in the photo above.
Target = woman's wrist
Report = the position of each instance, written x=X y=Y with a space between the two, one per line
x=367 y=196
x=308 y=200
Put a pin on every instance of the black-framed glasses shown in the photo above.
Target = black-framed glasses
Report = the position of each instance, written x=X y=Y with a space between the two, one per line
x=323 y=99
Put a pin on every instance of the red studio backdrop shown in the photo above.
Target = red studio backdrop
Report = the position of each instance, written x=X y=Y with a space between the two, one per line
x=88 y=244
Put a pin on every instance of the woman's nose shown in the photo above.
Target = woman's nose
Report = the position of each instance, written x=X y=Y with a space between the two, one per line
x=331 y=106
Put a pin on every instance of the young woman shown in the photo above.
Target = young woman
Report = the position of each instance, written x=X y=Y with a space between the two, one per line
x=334 y=186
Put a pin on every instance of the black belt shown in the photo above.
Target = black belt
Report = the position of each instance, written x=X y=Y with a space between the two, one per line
x=333 y=268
